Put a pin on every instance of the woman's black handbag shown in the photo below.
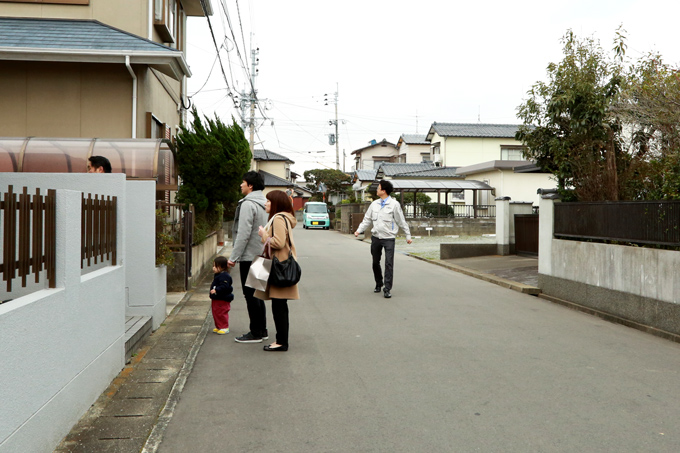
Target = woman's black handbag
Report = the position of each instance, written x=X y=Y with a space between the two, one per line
x=287 y=272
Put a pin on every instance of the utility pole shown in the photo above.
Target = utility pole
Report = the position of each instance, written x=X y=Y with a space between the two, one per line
x=335 y=138
x=249 y=99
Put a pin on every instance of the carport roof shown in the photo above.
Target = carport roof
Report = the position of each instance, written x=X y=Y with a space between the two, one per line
x=427 y=185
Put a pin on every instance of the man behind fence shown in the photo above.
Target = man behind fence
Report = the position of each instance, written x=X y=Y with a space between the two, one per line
x=386 y=216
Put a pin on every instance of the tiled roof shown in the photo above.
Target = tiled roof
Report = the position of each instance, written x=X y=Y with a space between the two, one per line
x=383 y=143
x=69 y=34
x=274 y=181
x=439 y=172
x=473 y=130
x=414 y=139
x=365 y=175
x=392 y=169
x=263 y=154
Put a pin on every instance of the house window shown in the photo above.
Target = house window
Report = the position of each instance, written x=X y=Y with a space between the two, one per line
x=511 y=153
x=165 y=19
x=287 y=173
x=156 y=128
x=436 y=155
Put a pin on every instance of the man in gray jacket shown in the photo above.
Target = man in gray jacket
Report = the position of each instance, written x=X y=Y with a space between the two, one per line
x=250 y=215
x=386 y=216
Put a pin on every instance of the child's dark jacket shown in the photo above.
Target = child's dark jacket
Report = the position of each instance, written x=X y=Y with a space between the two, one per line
x=222 y=286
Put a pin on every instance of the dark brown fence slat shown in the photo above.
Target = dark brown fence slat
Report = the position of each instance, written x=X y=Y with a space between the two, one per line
x=24 y=236
x=114 y=238
x=642 y=222
x=9 y=246
x=51 y=237
x=28 y=236
x=37 y=208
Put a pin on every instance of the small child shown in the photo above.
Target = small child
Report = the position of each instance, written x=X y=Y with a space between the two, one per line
x=221 y=293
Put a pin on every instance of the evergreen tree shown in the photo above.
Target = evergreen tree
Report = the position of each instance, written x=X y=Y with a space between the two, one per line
x=212 y=159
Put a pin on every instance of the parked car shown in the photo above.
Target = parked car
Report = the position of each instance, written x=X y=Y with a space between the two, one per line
x=315 y=215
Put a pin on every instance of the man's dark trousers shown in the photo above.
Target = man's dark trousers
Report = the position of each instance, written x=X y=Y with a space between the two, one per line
x=256 y=309
x=376 y=251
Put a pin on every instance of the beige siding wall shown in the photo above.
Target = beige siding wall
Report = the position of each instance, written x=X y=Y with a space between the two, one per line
x=65 y=100
x=276 y=168
x=159 y=98
x=368 y=154
x=414 y=153
x=128 y=15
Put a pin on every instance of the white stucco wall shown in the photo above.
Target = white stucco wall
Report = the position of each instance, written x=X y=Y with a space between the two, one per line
x=61 y=347
x=142 y=298
x=517 y=186
x=463 y=151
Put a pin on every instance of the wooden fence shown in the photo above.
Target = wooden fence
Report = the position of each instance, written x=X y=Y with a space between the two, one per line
x=28 y=236
x=98 y=229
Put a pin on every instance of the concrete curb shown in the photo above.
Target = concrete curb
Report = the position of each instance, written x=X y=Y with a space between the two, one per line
x=156 y=436
x=505 y=283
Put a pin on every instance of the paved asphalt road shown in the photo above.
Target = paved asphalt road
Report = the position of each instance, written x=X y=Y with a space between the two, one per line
x=449 y=364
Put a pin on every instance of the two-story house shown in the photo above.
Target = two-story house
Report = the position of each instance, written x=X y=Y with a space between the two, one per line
x=488 y=153
x=277 y=174
x=94 y=68
x=413 y=148
x=370 y=157
x=459 y=145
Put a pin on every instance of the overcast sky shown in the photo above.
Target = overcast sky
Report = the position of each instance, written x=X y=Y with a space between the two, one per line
x=398 y=65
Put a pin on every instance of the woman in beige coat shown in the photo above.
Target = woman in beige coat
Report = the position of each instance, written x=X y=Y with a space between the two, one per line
x=279 y=231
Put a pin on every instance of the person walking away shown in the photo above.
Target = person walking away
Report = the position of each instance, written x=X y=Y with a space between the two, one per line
x=279 y=231
x=250 y=214
x=387 y=217
x=221 y=293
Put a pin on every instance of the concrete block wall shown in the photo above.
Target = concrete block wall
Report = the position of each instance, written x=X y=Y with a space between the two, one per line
x=634 y=283
x=61 y=347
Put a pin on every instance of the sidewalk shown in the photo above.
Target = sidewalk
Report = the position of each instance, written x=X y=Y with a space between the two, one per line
x=139 y=402
x=132 y=414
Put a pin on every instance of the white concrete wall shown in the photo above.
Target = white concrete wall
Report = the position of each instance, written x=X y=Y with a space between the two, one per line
x=142 y=296
x=61 y=347
x=463 y=151
x=645 y=272
x=517 y=186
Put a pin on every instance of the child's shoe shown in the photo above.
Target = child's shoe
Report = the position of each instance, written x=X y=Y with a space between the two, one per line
x=215 y=329
x=222 y=331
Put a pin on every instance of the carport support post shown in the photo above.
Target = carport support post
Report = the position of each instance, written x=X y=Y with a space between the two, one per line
x=474 y=203
x=415 y=204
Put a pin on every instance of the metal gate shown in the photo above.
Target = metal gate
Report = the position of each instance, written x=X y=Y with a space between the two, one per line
x=526 y=234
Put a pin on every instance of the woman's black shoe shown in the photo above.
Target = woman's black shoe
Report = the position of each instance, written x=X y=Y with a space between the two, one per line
x=280 y=348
